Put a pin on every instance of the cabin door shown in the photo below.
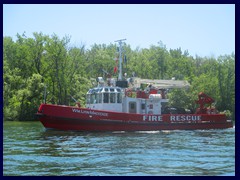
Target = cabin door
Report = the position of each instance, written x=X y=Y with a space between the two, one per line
x=132 y=107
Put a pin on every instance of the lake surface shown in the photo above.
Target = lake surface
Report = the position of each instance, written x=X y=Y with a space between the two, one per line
x=30 y=149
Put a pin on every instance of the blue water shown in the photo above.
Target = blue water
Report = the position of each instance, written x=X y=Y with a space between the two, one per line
x=29 y=149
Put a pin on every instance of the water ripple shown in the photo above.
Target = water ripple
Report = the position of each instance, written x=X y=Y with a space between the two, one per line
x=29 y=149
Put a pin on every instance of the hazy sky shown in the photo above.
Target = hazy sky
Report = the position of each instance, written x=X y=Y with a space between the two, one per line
x=205 y=30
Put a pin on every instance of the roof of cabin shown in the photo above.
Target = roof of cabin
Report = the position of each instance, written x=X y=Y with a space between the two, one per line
x=165 y=84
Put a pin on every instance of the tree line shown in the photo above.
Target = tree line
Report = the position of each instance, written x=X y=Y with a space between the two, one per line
x=32 y=63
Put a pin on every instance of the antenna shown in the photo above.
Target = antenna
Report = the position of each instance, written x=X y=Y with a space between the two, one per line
x=120 y=57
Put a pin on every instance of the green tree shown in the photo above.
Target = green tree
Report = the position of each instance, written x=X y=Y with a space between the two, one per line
x=29 y=64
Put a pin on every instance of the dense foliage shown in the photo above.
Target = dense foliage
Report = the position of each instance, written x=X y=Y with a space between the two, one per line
x=30 y=64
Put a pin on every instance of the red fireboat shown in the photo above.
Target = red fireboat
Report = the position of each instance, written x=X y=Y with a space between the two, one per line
x=123 y=105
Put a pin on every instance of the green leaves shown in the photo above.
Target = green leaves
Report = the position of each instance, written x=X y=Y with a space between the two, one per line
x=29 y=64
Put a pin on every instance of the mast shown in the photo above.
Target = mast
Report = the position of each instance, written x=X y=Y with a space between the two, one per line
x=120 y=58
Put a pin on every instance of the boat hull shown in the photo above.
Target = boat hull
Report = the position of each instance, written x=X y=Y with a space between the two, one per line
x=82 y=119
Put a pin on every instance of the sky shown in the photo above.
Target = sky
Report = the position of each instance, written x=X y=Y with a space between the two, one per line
x=202 y=29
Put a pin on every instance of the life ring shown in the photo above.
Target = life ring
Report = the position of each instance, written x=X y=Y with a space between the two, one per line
x=128 y=93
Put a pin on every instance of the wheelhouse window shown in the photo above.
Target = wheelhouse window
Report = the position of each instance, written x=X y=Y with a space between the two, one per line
x=119 y=97
x=88 y=98
x=112 y=98
x=100 y=97
x=93 y=98
x=106 y=97
x=97 y=97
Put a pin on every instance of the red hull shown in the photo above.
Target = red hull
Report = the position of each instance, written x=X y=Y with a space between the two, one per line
x=82 y=119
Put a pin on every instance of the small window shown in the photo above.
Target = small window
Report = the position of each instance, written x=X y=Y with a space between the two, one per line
x=119 y=97
x=100 y=98
x=88 y=98
x=98 y=90
x=112 y=97
x=132 y=107
x=97 y=98
x=93 y=99
x=105 y=98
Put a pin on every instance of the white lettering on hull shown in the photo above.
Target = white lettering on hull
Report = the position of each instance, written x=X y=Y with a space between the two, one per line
x=185 y=118
x=89 y=112
x=152 y=118
x=173 y=118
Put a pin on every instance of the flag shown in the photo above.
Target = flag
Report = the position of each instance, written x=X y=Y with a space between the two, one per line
x=115 y=69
